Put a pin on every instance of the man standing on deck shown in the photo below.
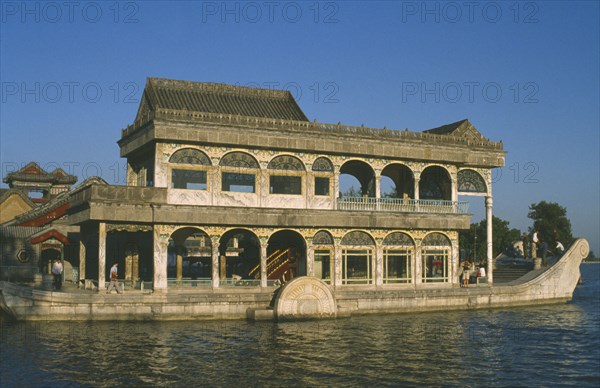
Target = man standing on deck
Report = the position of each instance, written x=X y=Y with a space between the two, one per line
x=114 y=279
x=525 y=245
x=534 y=243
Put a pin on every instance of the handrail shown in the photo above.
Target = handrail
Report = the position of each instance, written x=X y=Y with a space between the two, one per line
x=402 y=205
x=276 y=260
x=272 y=257
x=286 y=261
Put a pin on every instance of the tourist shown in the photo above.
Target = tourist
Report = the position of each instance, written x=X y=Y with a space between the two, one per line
x=481 y=272
x=57 y=270
x=466 y=273
x=114 y=279
x=544 y=249
x=560 y=249
x=534 y=243
x=525 y=245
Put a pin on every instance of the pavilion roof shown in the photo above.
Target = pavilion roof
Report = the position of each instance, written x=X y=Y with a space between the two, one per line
x=462 y=129
x=204 y=97
x=32 y=172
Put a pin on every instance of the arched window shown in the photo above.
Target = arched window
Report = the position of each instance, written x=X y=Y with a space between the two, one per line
x=357 y=256
x=190 y=170
x=323 y=171
x=189 y=156
x=435 y=254
x=397 y=181
x=238 y=172
x=398 y=256
x=435 y=184
x=290 y=182
x=469 y=181
x=323 y=249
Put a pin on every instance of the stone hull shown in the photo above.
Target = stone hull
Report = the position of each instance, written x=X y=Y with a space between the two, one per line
x=552 y=285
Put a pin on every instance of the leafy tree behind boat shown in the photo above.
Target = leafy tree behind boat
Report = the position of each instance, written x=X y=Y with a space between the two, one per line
x=550 y=220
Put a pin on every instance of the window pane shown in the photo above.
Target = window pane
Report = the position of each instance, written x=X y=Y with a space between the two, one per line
x=285 y=184
x=356 y=266
x=188 y=179
x=397 y=266
x=323 y=265
x=321 y=186
x=238 y=183
x=435 y=265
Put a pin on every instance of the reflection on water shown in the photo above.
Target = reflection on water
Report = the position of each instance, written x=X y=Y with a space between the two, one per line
x=545 y=345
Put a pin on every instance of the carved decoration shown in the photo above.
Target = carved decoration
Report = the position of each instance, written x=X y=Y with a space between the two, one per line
x=436 y=240
x=322 y=164
x=357 y=237
x=286 y=162
x=190 y=156
x=239 y=159
x=470 y=181
x=305 y=297
x=398 y=239
x=128 y=228
x=322 y=238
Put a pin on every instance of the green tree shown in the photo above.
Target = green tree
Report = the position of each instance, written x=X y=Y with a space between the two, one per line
x=475 y=239
x=352 y=192
x=550 y=220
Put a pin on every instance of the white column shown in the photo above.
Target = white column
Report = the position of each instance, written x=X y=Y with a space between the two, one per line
x=215 y=263
x=337 y=264
x=179 y=263
x=417 y=180
x=454 y=183
x=81 y=258
x=263 y=262
x=336 y=187
x=161 y=243
x=378 y=263
x=377 y=184
x=488 y=216
x=101 y=255
x=418 y=263
x=452 y=278
x=310 y=260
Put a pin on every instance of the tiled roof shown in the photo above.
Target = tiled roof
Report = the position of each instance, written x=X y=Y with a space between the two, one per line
x=5 y=193
x=462 y=128
x=225 y=99
x=32 y=172
x=7 y=232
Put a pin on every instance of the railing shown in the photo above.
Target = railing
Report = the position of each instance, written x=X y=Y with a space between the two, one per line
x=402 y=205
x=305 y=126
x=187 y=283
x=240 y=283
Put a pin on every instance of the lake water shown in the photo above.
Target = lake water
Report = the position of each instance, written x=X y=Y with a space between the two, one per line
x=533 y=346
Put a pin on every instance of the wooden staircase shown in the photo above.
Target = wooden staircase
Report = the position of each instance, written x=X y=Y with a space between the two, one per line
x=278 y=266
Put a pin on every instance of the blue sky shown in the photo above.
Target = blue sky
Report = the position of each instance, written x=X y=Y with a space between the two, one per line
x=526 y=73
